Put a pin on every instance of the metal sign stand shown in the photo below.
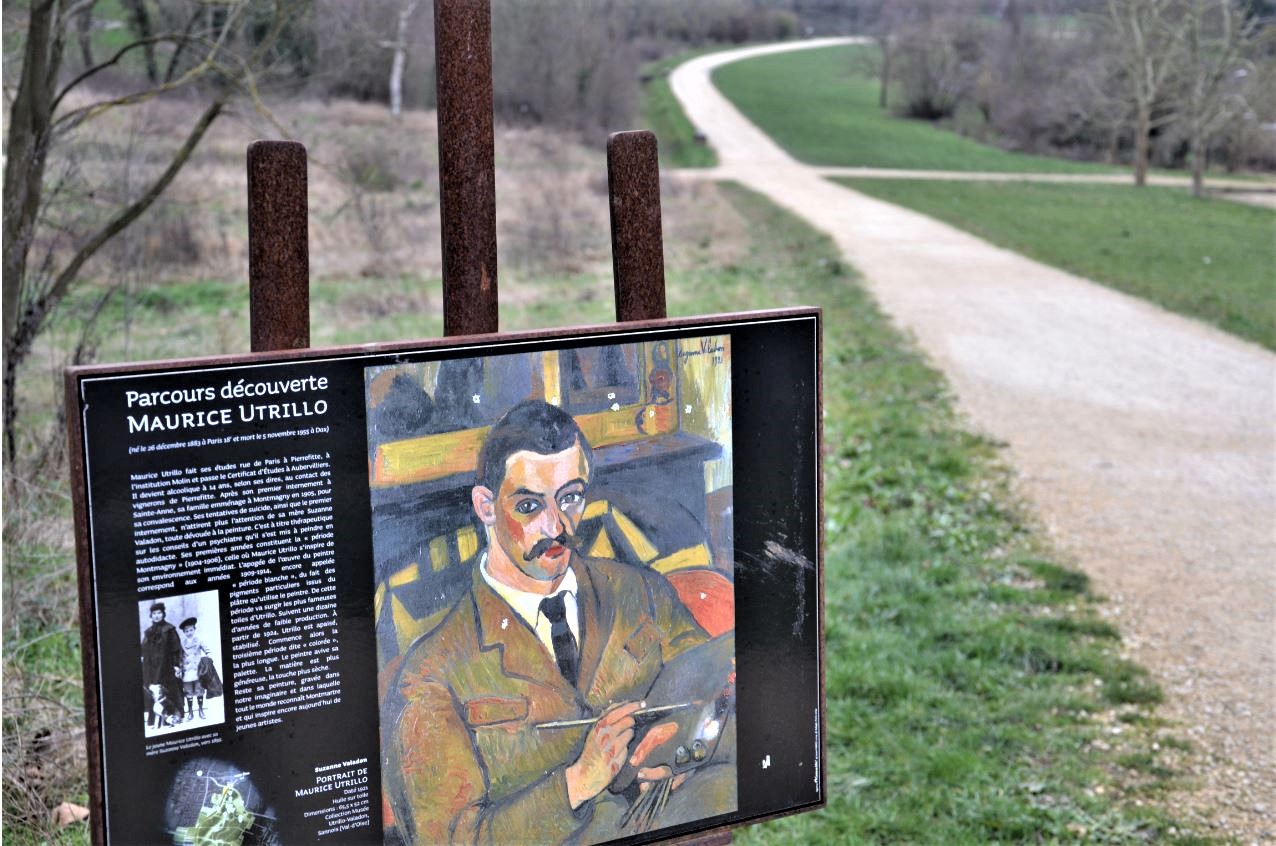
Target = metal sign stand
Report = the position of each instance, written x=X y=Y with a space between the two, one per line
x=278 y=234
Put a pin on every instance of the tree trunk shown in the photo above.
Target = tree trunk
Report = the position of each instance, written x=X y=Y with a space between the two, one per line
x=25 y=157
x=84 y=34
x=26 y=152
x=883 y=91
x=175 y=59
x=28 y=301
x=141 y=21
x=1198 y=165
x=400 y=57
x=1142 y=144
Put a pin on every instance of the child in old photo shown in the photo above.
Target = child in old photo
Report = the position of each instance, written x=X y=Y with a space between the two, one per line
x=193 y=651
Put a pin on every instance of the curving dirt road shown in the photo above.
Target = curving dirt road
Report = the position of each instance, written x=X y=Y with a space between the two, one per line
x=1146 y=441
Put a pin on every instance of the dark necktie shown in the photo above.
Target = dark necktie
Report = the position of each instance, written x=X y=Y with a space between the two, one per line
x=560 y=634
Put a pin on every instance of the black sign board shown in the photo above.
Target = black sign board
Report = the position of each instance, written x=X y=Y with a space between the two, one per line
x=312 y=583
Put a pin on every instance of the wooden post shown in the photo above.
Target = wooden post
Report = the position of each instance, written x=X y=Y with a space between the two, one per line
x=637 y=246
x=467 y=168
x=278 y=246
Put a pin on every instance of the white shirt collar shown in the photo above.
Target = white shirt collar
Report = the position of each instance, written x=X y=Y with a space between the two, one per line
x=528 y=605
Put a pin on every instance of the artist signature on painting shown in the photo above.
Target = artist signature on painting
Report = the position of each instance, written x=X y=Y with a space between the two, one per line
x=708 y=346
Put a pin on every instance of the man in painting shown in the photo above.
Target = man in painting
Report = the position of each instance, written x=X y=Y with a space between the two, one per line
x=161 y=668
x=543 y=635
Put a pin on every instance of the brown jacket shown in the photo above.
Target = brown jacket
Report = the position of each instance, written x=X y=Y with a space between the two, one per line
x=464 y=761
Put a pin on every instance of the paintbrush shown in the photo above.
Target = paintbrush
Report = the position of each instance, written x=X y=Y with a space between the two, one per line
x=641 y=712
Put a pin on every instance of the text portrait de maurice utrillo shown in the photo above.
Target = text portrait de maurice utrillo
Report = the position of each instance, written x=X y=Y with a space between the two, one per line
x=534 y=711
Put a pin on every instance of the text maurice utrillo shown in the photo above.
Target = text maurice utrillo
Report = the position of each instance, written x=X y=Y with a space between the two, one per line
x=244 y=412
x=259 y=529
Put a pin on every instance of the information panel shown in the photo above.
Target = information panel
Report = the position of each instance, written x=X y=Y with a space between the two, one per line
x=504 y=589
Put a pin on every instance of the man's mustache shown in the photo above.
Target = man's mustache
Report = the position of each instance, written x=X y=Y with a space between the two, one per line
x=542 y=546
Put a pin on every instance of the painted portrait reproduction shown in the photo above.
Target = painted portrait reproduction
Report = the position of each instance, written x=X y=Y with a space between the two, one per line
x=552 y=534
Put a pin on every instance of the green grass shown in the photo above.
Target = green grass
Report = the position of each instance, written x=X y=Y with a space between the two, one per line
x=822 y=108
x=44 y=696
x=1209 y=259
x=961 y=688
x=112 y=32
x=661 y=112
x=967 y=671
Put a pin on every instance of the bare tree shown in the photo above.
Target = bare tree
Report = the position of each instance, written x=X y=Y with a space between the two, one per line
x=936 y=55
x=44 y=114
x=400 y=47
x=365 y=47
x=883 y=21
x=1042 y=90
x=140 y=21
x=564 y=63
x=1147 y=38
x=1217 y=34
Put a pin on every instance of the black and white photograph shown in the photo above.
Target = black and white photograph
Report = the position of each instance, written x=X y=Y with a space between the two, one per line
x=180 y=652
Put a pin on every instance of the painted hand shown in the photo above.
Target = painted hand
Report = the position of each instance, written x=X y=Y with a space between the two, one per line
x=603 y=754
x=655 y=737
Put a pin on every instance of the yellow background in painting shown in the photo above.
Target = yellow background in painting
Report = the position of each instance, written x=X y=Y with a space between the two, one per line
x=407 y=574
x=602 y=547
x=466 y=543
x=439 y=555
x=430 y=457
x=692 y=556
x=637 y=540
x=406 y=627
x=704 y=377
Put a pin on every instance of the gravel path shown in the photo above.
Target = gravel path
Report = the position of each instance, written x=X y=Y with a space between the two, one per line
x=1146 y=441
x=1260 y=187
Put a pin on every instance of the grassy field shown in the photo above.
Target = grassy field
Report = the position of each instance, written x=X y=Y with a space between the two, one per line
x=974 y=692
x=662 y=114
x=1210 y=259
x=971 y=684
x=822 y=107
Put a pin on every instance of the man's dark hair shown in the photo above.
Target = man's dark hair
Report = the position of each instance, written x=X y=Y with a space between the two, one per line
x=532 y=425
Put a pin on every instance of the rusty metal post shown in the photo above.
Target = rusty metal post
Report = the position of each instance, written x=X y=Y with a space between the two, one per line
x=467 y=168
x=278 y=246
x=637 y=246
x=638 y=269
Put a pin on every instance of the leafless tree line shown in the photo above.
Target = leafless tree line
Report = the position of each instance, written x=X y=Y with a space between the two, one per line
x=573 y=64
x=53 y=224
x=1170 y=81
x=70 y=64
x=1150 y=80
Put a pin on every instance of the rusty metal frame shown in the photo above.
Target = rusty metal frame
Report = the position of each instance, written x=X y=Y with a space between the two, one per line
x=87 y=618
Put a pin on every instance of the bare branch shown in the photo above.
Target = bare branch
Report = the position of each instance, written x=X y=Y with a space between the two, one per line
x=181 y=46
x=34 y=315
x=120 y=54
x=69 y=12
